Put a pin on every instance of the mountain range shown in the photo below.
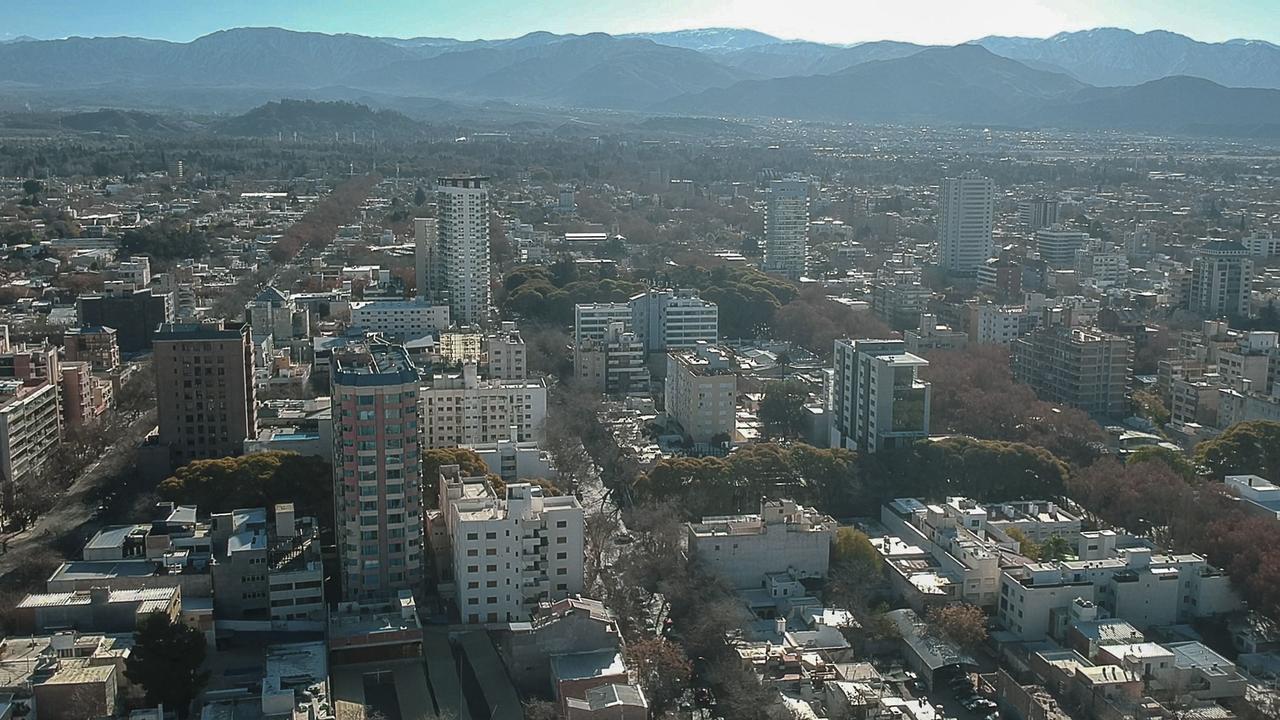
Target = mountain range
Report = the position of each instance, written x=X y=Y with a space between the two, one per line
x=1105 y=78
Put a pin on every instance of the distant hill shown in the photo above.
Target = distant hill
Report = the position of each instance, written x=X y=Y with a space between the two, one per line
x=962 y=84
x=785 y=59
x=119 y=122
x=315 y=119
x=1175 y=103
x=713 y=40
x=1112 y=57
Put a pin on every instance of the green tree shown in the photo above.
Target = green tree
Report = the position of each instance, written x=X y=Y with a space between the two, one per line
x=255 y=480
x=1244 y=448
x=32 y=187
x=782 y=409
x=419 y=197
x=961 y=623
x=165 y=660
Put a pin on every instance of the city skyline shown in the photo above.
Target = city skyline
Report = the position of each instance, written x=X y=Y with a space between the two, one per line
x=815 y=20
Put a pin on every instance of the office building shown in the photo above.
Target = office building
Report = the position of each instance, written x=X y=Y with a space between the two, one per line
x=510 y=552
x=1086 y=369
x=425 y=238
x=1057 y=245
x=94 y=345
x=134 y=315
x=783 y=538
x=786 y=227
x=1220 y=280
x=273 y=312
x=1037 y=213
x=702 y=393
x=30 y=426
x=878 y=401
x=965 y=215
x=464 y=409
x=673 y=319
x=931 y=335
x=505 y=353
x=461 y=257
x=204 y=389
x=402 y=320
x=614 y=364
x=592 y=320
x=377 y=471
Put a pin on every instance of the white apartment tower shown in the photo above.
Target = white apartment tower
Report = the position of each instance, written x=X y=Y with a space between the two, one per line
x=964 y=223
x=878 y=401
x=461 y=259
x=509 y=553
x=786 y=223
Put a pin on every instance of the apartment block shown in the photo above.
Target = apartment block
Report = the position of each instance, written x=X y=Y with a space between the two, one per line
x=941 y=552
x=267 y=570
x=932 y=335
x=786 y=223
x=511 y=459
x=30 y=426
x=702 y=392
x=204 y=389
x=400 y=320
x=899 y=304
x=377 y=470
x=1221 y=275
x=673 y=319
x=510 y=551
x=464 y=409
x=85 y=395
x=134 y=315
x=965 y=216
x=999 y=324
x=591 y=321
x=461 y=253
x=275 y=313
x=505 y=355
x=783 y=538
x=614 y=364
x=1057 y=245
x=94 y=345
x=1086 y=369
x=878 y=401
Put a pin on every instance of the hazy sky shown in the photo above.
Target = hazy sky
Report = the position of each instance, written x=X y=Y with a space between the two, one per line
x=924 y=21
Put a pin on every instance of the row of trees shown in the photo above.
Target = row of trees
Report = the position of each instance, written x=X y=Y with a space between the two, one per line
x=318 y=226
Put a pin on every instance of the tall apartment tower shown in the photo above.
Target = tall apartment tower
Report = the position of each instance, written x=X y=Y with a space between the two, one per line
x=1037 y=213
x=462 y=247
x=786 y=227
x=1086 y=369
x=1220 y=280
x=204 y=389
x=377 y=473
x=964 y=223
x=425 y=238
x=878 y=401
x=1057 y=245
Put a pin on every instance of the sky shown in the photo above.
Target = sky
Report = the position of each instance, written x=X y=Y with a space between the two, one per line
x=834 y=21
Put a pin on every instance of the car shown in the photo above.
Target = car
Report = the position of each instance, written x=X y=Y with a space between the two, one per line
x=993 y=715
x=623 y=539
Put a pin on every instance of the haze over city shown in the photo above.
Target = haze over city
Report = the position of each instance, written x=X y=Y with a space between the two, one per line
x=695 y=360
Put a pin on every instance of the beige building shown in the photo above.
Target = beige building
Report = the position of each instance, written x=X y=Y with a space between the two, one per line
x=1086 y=369
x=505 y=353
x=30 y=425
x=466 y=410
x=784 y=537
x=204 y=389
x=702 y=392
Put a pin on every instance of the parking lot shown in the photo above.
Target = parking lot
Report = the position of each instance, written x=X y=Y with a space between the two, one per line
x=952 y=697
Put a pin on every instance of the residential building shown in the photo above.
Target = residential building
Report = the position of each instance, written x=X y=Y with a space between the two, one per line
x=783 y=537
x=899 y=304
x=931 y=335
x=1103 y=264
x=673 y=319
x=965 y=215
x=30 y=426
x=134 y=315
x=1220 y=280
x=1258 y=495
x=204 y=389
x=1250 y=361
x=377 y=472
x=267 y=570
x=464 y=409
x=1262 y=245
x=85 y=396
x=999 y=324
x=401 y=320
x=505 y=353
x=786 y=227
x=32 y=364
x=95 y=610
x=878 y=401
x=1057 y=245
x=1002 y=277
x=592 y=320
x=1037 y=213
x=461 y=256
x=510 y=552
x=512 y=460
x=425 y=240
x=702 y=392
x=1086 y=369
x=940 y=552
x=94 y=345
x=273 y=312
x=613 y=364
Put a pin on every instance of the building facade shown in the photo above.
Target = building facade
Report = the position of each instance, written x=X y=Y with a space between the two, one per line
x=965 y=215
x=786 y=227
x=466 y=410
x=702 y=392
x=783 y=538
x=461 y=256
x=1086 y=369
x=1220 y=280
x=878 y=401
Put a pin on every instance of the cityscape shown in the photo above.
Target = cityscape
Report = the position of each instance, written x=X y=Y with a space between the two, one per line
x=701 y=373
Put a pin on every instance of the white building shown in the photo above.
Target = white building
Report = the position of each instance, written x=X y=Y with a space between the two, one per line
x=1057 y=245
x=30 y=425
x=784 y=537
x=786 y=227
x=1261 y=245
x=877 y=400
x=964 y=223
x=400 y=319
x=513 y=460
x=999 y=324
x=940 y=552
x=673 y=319
x=592 y=320
x=1221 y=276
x=702 y=392
x=1038 y=213
x=461 y=258
x=505 y=353
x=510 y=553
x=1260 y=496
x=465 y=410
x=614 y=365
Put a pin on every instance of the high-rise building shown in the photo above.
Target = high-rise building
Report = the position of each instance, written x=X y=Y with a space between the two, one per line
x=1086 y=369
x=377 y=470
x=673 y=319
x=204 y=389
x=614 y=364
x=512 y=552
x=505 y=353
x=461 y=259
x=464 y=409
x=1057 y=245
x=425 y=238
x=1037 y=213
x=591 y=320
x=1220 y=280
x=878 y=401
x=94 y=345
x=134 y=315
x=786 y=227
x=964 y=223
x=702 y=392
x=30 y=426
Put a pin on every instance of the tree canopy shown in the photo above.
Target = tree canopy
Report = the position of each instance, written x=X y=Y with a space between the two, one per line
x=255 y=480
x=165 y=660
x=1247 y=448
